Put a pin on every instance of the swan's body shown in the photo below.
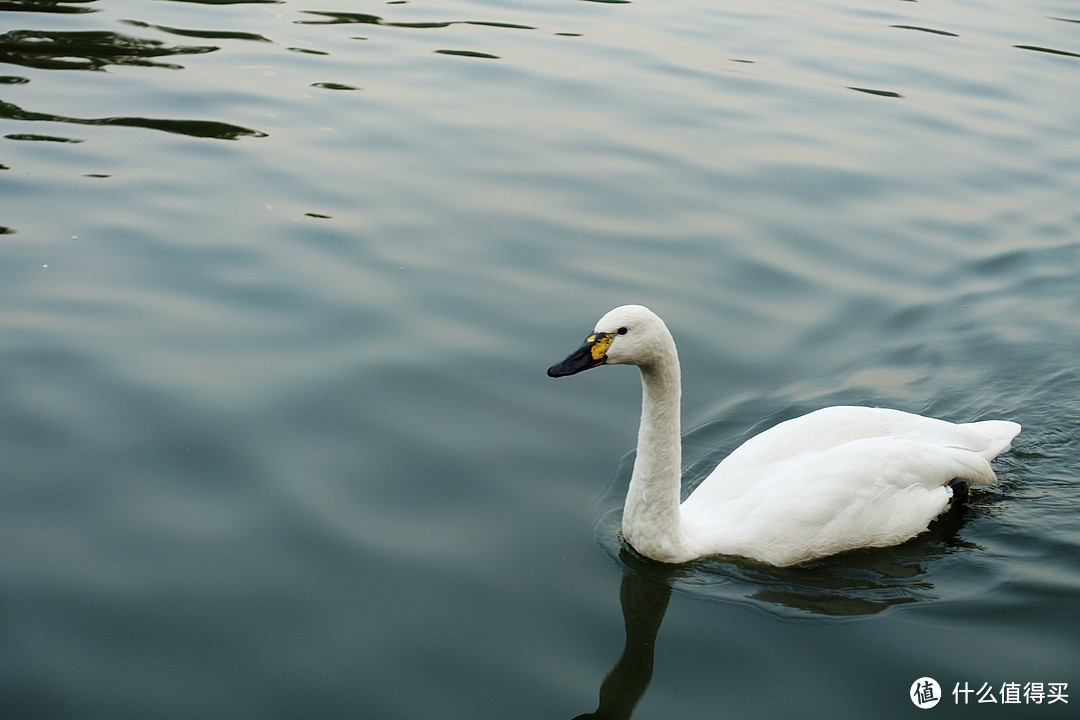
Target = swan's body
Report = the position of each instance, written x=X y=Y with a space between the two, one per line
x=836 y=479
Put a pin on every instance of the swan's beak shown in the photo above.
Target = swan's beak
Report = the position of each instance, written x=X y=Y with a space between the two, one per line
x=593 y=352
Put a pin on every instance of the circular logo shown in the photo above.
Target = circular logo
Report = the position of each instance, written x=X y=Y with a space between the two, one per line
x=925 y=693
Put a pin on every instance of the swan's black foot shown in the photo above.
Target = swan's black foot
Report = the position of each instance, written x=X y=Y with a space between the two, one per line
x=959 y=488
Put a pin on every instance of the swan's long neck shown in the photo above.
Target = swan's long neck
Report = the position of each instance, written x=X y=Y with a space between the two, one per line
x=651 y=512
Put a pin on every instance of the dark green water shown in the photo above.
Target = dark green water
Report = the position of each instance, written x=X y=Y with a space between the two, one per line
x=279 y=282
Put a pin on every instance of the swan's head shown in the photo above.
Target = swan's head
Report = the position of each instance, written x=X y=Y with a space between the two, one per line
x=628 y=335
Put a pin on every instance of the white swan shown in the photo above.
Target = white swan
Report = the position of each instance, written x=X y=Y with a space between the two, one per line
x=836 y=479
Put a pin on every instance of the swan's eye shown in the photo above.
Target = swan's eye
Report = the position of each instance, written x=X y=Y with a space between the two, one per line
x=622 y=331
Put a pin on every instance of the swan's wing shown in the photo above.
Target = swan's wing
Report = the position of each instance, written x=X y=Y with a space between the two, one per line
x=871 y=492
x=830 y=428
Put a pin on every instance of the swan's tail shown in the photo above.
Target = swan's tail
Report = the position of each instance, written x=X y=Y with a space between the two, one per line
x=991 y=438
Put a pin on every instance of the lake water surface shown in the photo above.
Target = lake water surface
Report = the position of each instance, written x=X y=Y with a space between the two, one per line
x=279 y=282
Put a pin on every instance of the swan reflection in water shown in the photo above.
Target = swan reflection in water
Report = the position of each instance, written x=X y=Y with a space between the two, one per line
x=644 y=601
x=862 y=582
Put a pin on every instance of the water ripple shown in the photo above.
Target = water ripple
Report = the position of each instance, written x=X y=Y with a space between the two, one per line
x=334 y=86
x=880 y=93
x=346 y=18
x=230 y=2
x=193 y=128
x=1052 y=51
x=468 y=53
x=926 y=30
x=233 y=369
x=203 y=34
x=67 y=7
x=87 y=50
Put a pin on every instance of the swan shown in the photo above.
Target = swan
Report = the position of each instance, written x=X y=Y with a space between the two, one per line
x=835 y=479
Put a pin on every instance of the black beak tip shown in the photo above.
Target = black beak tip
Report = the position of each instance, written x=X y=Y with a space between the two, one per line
x=578 y=361
x=559 y=370
x=572 y=366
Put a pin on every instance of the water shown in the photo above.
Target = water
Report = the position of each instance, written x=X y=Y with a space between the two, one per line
x=279 y=282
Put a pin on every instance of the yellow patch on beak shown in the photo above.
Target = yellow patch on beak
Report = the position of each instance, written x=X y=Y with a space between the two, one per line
x=593 y=352
x=600 y=343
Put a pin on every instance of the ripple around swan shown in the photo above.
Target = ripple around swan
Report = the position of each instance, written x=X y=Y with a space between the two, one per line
x=963 y=556
x=856 y=583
